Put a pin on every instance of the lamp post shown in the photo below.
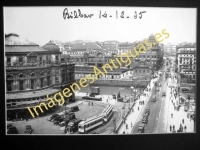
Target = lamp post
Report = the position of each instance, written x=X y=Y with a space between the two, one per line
x=131 y=98
x=61 y=87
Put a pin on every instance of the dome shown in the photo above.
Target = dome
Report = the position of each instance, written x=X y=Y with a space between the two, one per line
x=151 y=37
x=51 y=46
x=14 y=39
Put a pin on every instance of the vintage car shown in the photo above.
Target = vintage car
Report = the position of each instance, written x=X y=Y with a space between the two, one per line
x=153 y=99
x=28 y=129
x=141 y=128
x=11 y=129
x=163 y=94
x=185 y=90
x=147 y=111
x=144 y=119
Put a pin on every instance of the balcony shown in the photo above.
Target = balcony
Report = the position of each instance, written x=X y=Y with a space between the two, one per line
x=39 y=64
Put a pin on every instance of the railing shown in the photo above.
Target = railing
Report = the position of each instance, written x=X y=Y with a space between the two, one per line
x=37 y=64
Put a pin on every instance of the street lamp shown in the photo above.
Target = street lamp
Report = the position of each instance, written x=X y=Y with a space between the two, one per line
x=131 y=97
x=61 y=87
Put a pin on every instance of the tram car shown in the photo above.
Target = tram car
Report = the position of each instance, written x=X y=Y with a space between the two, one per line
x=107 y=113
x=91 y=123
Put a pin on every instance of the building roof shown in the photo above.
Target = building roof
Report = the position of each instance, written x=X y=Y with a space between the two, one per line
x=13 y=43
x=24 y=48
x=14 y=39
x=85 y=46
x=51 y=46
x=141 y=65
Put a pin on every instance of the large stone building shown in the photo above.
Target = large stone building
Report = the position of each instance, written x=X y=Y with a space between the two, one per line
x=186 y=61
x=86 y=55
x=32 y=73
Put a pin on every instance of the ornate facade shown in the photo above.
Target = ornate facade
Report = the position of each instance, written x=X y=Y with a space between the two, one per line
x=32 y=73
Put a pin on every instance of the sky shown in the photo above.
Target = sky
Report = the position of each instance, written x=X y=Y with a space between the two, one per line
x=42 y=24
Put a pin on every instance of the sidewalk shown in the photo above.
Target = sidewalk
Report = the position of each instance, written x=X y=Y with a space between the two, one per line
x=176 y=120
x=133 y=116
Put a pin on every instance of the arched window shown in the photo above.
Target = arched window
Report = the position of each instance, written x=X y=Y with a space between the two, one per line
x=9 y=81
x=21 y=81
x=41 y=79
x=63 y=75
x=32 y=80
x=48 y=78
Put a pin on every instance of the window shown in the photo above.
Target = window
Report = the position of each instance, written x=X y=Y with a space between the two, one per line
x=21 y=85
x=41 y=82
x=56 y=57
x=8 y=61
x=9 y=85
x=20 y=59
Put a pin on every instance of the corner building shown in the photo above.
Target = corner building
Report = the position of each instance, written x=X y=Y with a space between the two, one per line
x=32 y=73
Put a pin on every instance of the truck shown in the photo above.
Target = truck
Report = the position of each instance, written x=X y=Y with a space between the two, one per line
x=95 y=90
x=72 y=126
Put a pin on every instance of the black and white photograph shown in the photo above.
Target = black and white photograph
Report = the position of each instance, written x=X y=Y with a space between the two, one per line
x=99 y=70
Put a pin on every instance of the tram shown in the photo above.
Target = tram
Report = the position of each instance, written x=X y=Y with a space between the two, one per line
x=107 y=113
x=91 y=123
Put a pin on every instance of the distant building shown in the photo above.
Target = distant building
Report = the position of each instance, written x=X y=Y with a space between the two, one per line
x=186 y=61
x=124 y=47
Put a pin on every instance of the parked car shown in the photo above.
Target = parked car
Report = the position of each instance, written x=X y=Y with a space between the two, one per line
x=144 y=120
x=163 y=94
x=28 y=129
x=145 y=115
x=185 y=90
x=141 y=128
x=153 y=99
x=114 y=96
x=11 y=129
x=147 y=111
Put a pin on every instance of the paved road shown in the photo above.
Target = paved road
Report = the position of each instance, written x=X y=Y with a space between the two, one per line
x=154 y=109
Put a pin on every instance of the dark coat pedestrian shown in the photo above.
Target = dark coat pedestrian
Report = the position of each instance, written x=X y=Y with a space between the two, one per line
x=173 y=127
x=183 y=121
x=171 y=115
x=185 y=127
x=138 y=108
x=170 y=127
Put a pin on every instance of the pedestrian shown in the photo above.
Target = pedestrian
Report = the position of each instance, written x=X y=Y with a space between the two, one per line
x=138 y=108
x=185 y=127
x=89 y=103
x=170 y=127
x=173 y=127
x=183 y=121
x=171 y=115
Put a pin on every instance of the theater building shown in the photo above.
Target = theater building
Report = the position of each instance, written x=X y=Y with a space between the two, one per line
x=32 y=73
